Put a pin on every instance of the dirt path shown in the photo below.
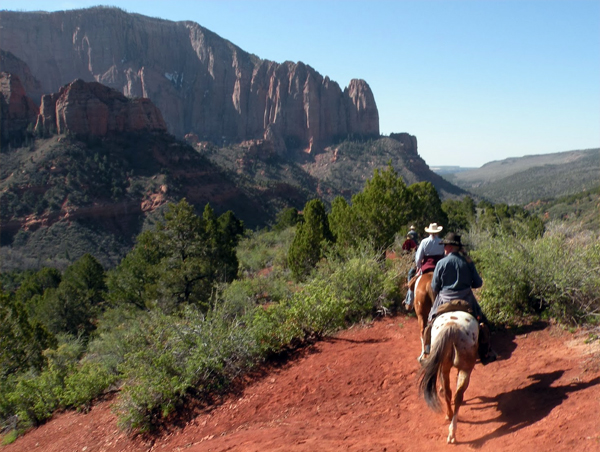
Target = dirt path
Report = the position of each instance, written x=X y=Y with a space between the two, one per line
x=357 y=392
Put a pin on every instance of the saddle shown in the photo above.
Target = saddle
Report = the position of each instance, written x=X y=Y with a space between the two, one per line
x=455 y=305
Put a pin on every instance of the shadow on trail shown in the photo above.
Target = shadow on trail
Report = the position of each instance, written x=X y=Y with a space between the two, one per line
x=525 y=406
x=503 y=339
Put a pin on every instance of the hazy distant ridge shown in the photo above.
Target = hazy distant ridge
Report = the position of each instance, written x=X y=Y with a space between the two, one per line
x=520 y=180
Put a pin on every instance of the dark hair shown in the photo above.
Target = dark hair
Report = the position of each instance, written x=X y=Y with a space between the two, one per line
x=452 y=239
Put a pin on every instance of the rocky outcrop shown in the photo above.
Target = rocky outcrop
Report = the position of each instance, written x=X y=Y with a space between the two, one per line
x=203 y=84
x=13 y=65
x=17 y=110
x=92 y=109
x=409 y=142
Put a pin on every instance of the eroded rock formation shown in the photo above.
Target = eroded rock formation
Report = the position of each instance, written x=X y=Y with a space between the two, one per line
x=93 y=109
x=17 y=110
x=13 y=65
x=202 y=84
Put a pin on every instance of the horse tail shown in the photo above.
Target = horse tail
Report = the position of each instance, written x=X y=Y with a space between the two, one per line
x=440 y=350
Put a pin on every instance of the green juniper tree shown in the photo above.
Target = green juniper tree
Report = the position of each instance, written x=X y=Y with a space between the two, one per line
x=376 y=214
x=307 y=248
x=426 y=206
x=74 y=305
x=180 y=262
x=22 y=341
x=461 y=214
x=287 y=218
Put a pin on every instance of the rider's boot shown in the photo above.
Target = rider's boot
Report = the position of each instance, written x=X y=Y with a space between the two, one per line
x=408 y=302
x=486 y=353
x=427 y=339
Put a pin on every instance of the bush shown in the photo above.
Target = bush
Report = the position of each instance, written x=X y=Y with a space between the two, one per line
x=555 y=276
x=180 y=354
x=90 y=380
x=341 y=292
x=177 y=355
x=363 y=283
x=250 y=292
x=34 y=396
x=260 y=250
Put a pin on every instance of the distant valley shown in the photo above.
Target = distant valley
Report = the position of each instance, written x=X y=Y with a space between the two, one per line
x=443 y=170
x=521 y=180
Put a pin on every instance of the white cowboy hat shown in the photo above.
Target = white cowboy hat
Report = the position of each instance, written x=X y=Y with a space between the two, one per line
x=434 y=228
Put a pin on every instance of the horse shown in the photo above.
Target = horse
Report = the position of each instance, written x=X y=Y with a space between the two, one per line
x=454 y=340
x=424 y=298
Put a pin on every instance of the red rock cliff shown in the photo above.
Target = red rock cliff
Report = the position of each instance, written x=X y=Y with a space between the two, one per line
x=202 y=84
x=17 y=110
x=13 y=65
x=94 y=109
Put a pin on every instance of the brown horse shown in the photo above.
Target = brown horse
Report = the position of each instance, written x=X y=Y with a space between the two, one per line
x=453 y=344
x=424 y=298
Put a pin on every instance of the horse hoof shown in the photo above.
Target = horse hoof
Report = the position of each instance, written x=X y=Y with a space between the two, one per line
x=451 y=440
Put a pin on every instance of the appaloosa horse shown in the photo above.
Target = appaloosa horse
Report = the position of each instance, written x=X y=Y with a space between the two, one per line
x=424 y=298
x=453 y=344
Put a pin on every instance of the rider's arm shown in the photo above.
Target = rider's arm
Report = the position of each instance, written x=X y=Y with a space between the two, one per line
x=420 y=254
x=476 y=282
x=436 y=280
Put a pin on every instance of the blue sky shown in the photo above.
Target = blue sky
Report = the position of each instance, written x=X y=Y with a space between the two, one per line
x=474 y=80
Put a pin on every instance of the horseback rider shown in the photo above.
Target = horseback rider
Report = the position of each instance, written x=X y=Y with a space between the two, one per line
x=430 y=251
x=409 y=245
x=453 y=279
x=412 y=234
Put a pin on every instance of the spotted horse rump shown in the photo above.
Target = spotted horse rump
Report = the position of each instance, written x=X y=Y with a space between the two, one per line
x=454 y=343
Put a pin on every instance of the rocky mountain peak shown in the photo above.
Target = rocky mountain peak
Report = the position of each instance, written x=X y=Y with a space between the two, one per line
x=202 y=83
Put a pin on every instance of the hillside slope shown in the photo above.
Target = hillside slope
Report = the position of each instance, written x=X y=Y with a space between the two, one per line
x=527 y=179
x=63 y=197
x=344 y=168
x=357 y=391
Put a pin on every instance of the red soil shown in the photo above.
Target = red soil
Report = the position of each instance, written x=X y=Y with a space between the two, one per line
x=357 y=391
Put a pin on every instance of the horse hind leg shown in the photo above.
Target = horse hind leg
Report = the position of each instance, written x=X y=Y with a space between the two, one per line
x=445 y=389
x=422 y=355
x=462 y=384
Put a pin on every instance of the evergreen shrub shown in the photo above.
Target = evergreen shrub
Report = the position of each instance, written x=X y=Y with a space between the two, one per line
x=264 y=249
x=556 y=276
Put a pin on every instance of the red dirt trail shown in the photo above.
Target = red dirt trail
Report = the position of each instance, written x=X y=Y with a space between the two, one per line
x=357 y=392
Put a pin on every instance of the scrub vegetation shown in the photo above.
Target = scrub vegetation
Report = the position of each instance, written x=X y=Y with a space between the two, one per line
x=199 y=301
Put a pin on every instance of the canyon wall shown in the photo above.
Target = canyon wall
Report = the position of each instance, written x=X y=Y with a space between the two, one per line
x=202 y=83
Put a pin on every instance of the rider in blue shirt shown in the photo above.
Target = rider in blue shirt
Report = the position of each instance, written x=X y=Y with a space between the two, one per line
x=454 y=278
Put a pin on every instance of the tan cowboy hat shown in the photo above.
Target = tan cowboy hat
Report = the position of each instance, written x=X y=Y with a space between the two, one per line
x=434 y=228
